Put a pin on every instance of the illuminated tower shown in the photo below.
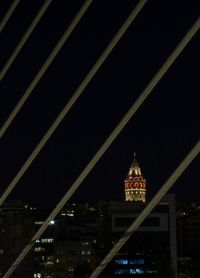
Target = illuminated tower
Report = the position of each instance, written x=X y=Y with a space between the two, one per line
x=135 y=184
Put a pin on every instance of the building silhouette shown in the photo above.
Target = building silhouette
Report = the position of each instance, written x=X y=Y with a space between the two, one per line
x=151 y=250
x=83 y=233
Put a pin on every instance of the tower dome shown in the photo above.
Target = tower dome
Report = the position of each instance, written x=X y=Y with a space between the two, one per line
x=135 y=183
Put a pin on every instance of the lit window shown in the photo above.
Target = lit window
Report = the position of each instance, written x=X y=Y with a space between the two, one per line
x=137 y=261
x=39 y=249
x=85 y=243
x=37 y=275
x=121 y=271
x=47 y=240
x=70 y=214
x=136 y=271
x=39 y=222
x=121 y=261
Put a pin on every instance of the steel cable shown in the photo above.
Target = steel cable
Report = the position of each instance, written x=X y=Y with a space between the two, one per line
x=146 y=211
x=73 y=99
x=161 y=72
x=44 y=67
x=24 y=38
x=8 y=14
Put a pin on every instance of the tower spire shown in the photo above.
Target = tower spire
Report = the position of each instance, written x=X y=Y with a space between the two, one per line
x=135 y=184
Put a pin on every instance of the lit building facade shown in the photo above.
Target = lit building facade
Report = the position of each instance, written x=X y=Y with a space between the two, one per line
x=135 y=184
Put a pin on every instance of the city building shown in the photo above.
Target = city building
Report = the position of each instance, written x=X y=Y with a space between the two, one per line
x=76 y=240
x=188 y=239
x=151 y=249
x=82 y=234
x=135 y=183
x=16 y=229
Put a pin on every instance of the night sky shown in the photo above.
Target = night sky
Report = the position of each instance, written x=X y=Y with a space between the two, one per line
x=162 y=131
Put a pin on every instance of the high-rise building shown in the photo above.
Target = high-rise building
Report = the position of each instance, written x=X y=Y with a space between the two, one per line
x=135 y=184
x=151 y=250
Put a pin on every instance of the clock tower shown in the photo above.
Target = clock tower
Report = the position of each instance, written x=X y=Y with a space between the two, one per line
x=135 y=184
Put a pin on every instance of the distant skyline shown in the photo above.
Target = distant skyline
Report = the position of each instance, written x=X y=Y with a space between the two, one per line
x=162 y=131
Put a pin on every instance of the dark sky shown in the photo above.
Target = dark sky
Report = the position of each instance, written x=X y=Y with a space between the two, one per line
x=162 y=131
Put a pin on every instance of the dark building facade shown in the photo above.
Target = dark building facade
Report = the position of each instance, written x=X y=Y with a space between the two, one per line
x=150 y=249
x=82 y=234
x=188 y=239
x=16 y=229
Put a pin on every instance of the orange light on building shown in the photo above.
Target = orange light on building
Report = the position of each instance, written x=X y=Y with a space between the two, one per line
x=135 y=181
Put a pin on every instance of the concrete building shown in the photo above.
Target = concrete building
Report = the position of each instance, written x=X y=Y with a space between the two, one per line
x=152 y=247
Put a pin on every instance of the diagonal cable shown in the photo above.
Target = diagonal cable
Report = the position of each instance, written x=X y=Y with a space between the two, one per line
x=45 y=66
x=8 y=14
x=24 y=38
x=146 y=211
x=73 y=99
x=107 y=143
